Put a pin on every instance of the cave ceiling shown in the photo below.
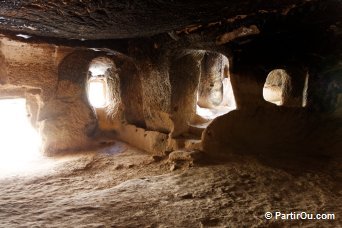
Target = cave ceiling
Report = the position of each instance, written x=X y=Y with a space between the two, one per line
x=117 y=19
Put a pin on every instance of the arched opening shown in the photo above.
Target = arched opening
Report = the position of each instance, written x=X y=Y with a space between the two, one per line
x=277 y=86
x=215 y=94
x=103 y=90
x=204 y=93
x=97 y=86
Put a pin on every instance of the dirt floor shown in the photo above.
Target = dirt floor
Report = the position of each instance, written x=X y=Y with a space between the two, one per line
x=120 y=186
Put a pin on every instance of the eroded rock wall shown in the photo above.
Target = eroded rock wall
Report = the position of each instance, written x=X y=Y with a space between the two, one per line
x=156 y=94
x=31 y=65
x=152 y=87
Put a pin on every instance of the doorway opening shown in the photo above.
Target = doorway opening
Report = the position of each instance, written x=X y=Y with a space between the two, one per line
x=215 y=94
x=97 y=83
x=276 y=86
x=20 y=141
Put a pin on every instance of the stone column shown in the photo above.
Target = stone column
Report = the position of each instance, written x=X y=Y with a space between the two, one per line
x=156 y=94
x=132 y=94
x=248 y=83
x=210 y=92
x=184 y=78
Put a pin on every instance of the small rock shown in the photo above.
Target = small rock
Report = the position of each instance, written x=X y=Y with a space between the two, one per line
x=180 y=155
x=173 y=167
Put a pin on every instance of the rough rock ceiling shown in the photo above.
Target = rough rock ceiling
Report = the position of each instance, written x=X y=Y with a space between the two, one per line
x=113 y=19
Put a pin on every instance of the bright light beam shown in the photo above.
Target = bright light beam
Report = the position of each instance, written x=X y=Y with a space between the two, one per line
x=19 y=141
x=97 y=94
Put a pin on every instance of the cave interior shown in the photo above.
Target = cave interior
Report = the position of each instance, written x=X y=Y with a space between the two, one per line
x=169 y=113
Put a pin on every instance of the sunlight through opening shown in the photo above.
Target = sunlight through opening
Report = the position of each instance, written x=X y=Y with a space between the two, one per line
x=228 y=103
x=20 y=142
x=98 y=68
x=276 y=82
x=219 y=99
x=97 y=93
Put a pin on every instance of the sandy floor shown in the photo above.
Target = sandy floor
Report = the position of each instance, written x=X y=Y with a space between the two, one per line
x=123 y=187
